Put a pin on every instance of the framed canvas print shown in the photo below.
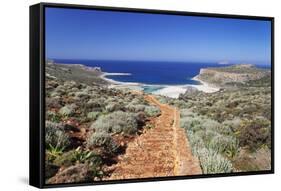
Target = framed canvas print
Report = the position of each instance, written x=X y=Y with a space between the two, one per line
x=127 y=95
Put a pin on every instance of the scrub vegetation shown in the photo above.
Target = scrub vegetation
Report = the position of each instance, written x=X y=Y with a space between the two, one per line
x=88 y=124
x=229 y=130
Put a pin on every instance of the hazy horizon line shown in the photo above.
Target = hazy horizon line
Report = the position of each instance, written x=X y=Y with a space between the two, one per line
x=179 y=61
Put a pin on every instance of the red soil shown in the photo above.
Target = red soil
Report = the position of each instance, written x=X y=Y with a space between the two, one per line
x=160 y=151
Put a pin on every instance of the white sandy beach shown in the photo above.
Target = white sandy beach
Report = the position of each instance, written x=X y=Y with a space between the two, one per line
x=175 y=91
x=121 y=85
x=169 y=91
x=205 y=87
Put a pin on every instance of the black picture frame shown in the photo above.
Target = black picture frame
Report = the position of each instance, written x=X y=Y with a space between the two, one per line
x=37 y=92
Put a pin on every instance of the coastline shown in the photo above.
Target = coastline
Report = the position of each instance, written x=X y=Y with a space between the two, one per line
x=175 y=91
x=204 y=86
x=172 y=91
x=121 y=85
x=114 y=82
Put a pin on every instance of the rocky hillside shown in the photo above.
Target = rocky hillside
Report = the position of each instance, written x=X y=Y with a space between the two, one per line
x=75 y=72
x=88 y=125
x=235 y=74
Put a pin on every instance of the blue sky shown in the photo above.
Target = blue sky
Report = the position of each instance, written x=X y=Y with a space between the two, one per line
x=108 y=35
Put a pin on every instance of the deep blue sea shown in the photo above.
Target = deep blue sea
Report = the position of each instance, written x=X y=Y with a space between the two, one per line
x=148 y=72
x=154 y=73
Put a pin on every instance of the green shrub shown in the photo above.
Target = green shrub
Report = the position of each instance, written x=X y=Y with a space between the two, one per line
x=95 y=105
x=68 y=110
x=116 y=122
x=224 y=144
x=110 y=107
x=93 y=115
x=60 y=89
x=208 y=135
x=55 y=94
x=196 y=125
x=186 y=113
x=53 y=152
x=185 y=122
x=53 y=117
x=53 y=102
x=196 y=142
x=208 y=144
x=163 y=99
x=212 y=162
x=82 y=95
x=70 y=84
x=104 y=140
x=55 y=136
x=179 y=103
x=152 y=111
x=138 y=100
x=77 y=156
x=135 y=108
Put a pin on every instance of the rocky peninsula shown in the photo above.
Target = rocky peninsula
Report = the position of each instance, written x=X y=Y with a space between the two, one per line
x=234 y=74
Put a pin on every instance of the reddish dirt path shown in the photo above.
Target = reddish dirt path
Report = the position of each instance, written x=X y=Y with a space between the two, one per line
x=160 y=151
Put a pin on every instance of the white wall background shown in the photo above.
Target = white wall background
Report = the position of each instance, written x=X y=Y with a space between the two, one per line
x=14 y=51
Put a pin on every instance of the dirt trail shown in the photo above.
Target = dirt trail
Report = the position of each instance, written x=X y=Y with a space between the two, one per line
x=160 y=151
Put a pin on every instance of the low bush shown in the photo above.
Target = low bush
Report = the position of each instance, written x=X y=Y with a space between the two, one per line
x=53 y=116
x=77 y=156
x=196 y=142
x=55 y=94
x=93 y=115
x=210 y=142
x=185 y=122
x=152 y=111
x=82 y=95
x=55 y=136
x=110 y=107
x=104 y=140
x=53 y=152
x=138 y=100
x=52 y=102
x=135 y=108
x=212 y=162
x=68 y=110
x=225 y=144
x=60 y=88
x=186 y=113
x=116 y=122
x=163 y=99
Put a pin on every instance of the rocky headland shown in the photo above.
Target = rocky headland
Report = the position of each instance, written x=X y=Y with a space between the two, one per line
x=230 y=75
